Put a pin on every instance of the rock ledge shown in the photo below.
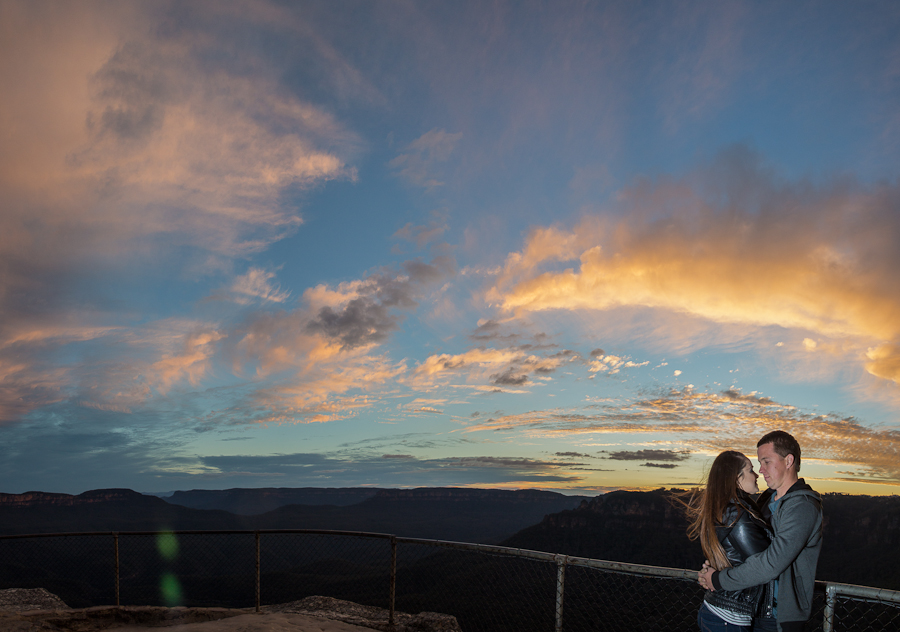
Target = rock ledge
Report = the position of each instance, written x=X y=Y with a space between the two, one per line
x=37 y=610
x=368 y=616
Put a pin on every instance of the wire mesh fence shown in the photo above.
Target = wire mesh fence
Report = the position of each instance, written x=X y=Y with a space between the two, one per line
x=484 y=590
x=487 y=588
x=608 y=600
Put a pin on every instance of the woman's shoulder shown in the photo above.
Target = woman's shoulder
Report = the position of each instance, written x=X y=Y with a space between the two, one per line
x=732 y=513
x=741 y=508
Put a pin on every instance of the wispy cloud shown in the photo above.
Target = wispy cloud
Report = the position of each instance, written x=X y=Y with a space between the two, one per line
x=713 y=422
x=256 y=284
x=422 y=235
x=649 y=455
x=391 y=469
x=423 y=158
x=697 y=79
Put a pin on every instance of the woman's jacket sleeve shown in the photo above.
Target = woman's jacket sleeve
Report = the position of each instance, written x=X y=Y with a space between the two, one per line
x=748 y=538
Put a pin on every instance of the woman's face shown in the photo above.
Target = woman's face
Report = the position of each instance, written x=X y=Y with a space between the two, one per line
x=747 y=479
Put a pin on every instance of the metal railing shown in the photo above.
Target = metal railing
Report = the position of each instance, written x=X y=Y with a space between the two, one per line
x=487 y=587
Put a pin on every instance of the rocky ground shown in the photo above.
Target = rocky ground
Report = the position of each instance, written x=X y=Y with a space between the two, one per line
x=20 y=599
x=36 y=610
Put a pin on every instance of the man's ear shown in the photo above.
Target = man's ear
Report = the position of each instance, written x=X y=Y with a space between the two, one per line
x=789 y=461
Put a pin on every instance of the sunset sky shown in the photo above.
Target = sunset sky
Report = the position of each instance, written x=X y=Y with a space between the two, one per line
x=556 y=245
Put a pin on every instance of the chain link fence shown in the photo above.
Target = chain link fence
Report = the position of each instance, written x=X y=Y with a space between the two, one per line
x=487 y=588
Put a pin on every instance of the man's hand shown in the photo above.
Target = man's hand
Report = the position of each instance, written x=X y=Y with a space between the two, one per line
x=704 y=576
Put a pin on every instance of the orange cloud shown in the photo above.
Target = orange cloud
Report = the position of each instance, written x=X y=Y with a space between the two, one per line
x=191 y=363
x=502 y=368
x=821 y=262
x=884 y=362
x=25 y=386
x=485 y=359
x=612 y=364
x=26 y=381
x=323 y=393
x=24 y=333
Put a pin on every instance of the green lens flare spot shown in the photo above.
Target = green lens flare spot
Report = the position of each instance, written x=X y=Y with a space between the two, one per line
x=167 y=545
x=170 y=589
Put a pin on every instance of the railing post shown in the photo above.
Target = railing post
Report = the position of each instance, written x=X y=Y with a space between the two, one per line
x=257 y=571
x=393 y=579
x=830 y=598
x=560 y=588
x=116 y=547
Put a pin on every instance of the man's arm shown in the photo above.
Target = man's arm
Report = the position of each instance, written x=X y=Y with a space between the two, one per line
x=794 y=528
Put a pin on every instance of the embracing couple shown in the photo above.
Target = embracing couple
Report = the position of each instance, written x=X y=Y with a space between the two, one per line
x=761 y=552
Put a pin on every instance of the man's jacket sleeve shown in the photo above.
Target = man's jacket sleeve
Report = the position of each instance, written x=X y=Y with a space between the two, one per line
x=794 y=528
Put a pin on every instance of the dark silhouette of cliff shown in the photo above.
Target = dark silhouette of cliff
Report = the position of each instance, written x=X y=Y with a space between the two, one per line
x=103 y=510
x=465 y=515
x=621 y=526
x=251 y=502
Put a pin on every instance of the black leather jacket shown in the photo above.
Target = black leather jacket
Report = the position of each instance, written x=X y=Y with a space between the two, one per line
x=742 y=534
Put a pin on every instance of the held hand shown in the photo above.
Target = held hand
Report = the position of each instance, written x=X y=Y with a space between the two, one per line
x=704 y=578
x=701 y=579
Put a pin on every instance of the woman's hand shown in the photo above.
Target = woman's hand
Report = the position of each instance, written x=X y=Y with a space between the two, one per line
x=704 y=576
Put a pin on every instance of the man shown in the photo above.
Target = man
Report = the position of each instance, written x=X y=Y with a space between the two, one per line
x=795 y=513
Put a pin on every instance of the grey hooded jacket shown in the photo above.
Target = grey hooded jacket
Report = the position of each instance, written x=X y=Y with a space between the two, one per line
x=791 y=558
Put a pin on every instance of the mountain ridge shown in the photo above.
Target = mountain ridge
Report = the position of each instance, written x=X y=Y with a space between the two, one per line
x=462 y=514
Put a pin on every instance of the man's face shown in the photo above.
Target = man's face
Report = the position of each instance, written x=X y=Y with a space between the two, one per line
x=772 y=466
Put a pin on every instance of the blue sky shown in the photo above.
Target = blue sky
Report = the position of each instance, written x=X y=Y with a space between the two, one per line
x=556 y=245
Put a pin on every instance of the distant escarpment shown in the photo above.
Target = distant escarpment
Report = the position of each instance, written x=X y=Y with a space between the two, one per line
x=102 y=510
x=622 y=526
x=37 y=499
x=444 y=513
x=250 y=502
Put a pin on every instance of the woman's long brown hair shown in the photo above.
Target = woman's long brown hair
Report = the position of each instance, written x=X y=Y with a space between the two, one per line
x=705 y=507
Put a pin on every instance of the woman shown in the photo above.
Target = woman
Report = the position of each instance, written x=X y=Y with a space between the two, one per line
x=729 y=526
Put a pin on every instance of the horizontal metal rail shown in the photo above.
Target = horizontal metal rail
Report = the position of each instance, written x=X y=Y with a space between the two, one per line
x=603 y=565
x=360 y=534
x=862 y=592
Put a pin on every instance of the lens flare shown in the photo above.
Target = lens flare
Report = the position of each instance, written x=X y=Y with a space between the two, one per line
x=167 y=545
x=170 y=590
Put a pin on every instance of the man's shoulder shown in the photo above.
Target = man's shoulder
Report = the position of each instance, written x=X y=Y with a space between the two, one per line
x=801 y=498
x=800 y=490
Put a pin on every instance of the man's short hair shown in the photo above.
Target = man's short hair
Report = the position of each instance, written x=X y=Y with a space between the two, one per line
x=783 y=444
